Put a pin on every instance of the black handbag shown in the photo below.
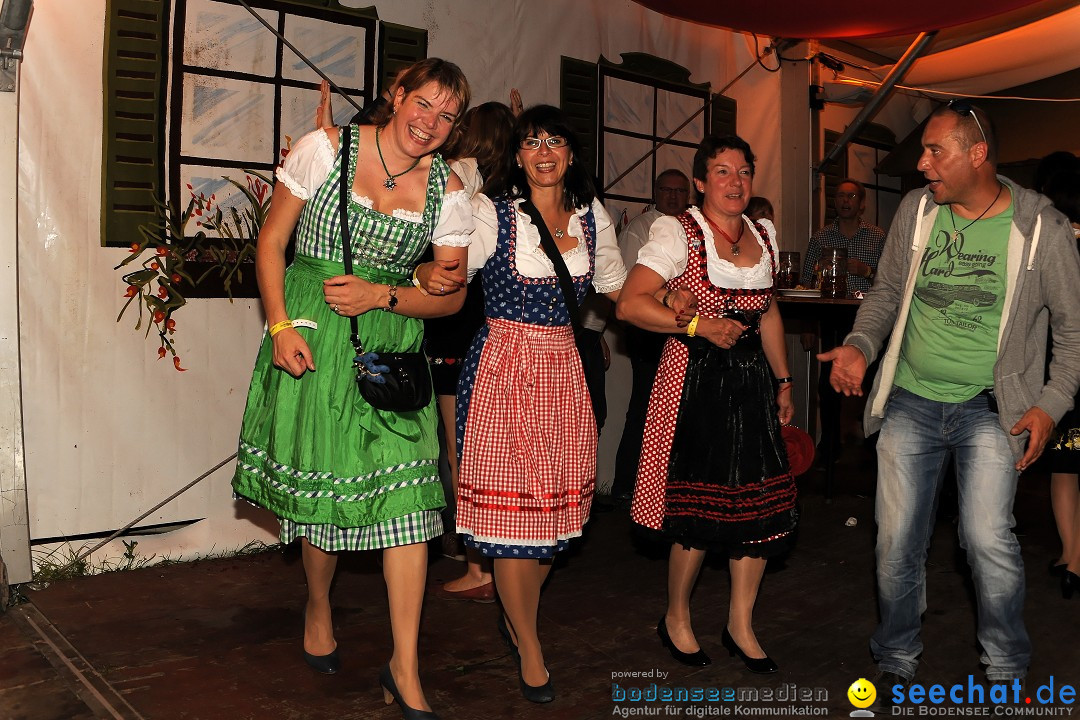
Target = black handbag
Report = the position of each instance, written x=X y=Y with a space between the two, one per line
x=398 y=382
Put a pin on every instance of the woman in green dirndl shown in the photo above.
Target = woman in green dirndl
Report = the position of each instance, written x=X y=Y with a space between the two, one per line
x=339 y=473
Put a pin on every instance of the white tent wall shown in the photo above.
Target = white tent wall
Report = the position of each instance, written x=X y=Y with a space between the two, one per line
x=111 y=431
x=14 y=524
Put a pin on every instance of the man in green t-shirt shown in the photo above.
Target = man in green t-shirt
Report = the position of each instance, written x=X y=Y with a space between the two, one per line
x=974 y=267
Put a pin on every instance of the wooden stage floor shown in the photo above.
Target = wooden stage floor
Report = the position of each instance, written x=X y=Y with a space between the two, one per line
x=221 y=639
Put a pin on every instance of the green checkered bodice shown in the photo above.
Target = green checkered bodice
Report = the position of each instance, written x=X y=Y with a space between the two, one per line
x=379 y=242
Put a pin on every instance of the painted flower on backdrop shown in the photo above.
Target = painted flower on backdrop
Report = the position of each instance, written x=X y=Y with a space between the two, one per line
x=225 y=241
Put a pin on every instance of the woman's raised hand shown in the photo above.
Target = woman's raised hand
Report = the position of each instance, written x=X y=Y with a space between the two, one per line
x=440 y=277
x=324 y=114
x=291 y=352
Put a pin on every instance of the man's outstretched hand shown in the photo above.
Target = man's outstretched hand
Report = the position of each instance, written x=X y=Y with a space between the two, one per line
x=848 y=369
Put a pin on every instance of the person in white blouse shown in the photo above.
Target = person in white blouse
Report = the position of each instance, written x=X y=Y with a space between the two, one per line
x=672 y=195
x=339 y=473
x=525 y=424
x=714 y=472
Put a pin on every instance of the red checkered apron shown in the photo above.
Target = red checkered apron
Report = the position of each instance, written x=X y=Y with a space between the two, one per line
x=528 y=469
x=526 y=430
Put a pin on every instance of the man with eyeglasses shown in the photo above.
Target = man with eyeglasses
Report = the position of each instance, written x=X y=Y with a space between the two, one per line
x=973 y=269
x=862 y=240
x=672 y=195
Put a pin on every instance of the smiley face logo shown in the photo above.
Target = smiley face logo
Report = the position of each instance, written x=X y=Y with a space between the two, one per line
x=862 y=693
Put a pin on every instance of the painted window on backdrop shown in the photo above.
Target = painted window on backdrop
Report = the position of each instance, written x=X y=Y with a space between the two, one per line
x=199 y=93
x=641 y=101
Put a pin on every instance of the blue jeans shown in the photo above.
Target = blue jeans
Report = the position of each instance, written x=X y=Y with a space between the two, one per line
x=917 y=438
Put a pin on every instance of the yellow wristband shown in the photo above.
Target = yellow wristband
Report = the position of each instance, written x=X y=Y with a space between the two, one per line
x=278 y=327
x=417 y=283
x=691 y=329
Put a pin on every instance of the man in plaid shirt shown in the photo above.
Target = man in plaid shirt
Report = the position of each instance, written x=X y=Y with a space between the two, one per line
x=862 y=240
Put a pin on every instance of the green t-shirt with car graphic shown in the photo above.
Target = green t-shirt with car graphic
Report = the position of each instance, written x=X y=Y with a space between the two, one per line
x=950 y=342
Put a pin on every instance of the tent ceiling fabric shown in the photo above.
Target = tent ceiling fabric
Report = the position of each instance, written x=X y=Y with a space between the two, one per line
x=839 y=19
x=1021 y=55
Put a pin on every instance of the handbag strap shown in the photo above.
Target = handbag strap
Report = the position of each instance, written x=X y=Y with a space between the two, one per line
x=346 y=244
x=552 y=251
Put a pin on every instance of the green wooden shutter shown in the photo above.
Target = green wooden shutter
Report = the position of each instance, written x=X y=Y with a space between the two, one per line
x=399 y=47
x=578 y=97
x=724 y=115
x=133 y=171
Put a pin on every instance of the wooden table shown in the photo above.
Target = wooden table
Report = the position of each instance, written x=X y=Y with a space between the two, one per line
x=834 y=317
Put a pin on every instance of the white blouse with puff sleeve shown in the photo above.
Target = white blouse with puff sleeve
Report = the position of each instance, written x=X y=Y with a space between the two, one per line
x=666 y=254
x=310 y=161
x=533 y=262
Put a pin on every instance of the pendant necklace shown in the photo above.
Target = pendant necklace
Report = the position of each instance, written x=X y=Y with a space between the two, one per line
x=389 y=183
x=559 y=232
x=733 y=242
x=956 y=234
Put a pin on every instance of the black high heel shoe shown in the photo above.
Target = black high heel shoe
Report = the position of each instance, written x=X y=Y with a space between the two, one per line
x=536 y=693
x=533 y=693
x=1056 y=569
x=391 y=694
x=1070 y=583
x=326 y=664
x=761 y=666
x=694 y=659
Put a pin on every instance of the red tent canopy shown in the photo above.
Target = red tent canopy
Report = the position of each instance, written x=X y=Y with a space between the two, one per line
x=837 y=18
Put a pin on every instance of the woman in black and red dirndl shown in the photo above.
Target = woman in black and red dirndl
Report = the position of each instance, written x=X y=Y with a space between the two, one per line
x=714 y=473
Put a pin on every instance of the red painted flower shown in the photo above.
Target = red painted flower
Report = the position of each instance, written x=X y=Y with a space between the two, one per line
x=176 y=278
x=257 y=187
x=154 y=266
x=134 y=247
x=176 y=364
x=132 y=291
x=160 y=352
x=158 y=317
x=162 y=251
x=170 y=325
x=163 y=293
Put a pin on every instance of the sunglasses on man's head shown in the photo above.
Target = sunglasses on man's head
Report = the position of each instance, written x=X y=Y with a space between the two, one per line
x=963 y=107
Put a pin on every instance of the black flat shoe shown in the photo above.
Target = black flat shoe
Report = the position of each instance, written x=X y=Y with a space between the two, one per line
x=391 y=694
x=694 y=659
x=761 y=666
x=1056 y=569
x=326 y=664
x=1070 y=583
